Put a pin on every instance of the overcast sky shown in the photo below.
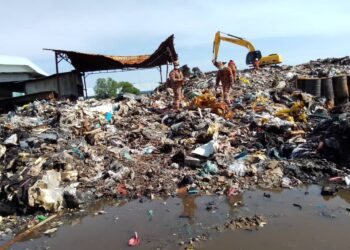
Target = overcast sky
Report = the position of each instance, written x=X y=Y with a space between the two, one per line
x=299 y=30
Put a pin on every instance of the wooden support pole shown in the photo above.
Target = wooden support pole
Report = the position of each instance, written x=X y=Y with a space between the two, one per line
x=85 y=88
x=167 y=71
x=57 y=76
x=161 y=77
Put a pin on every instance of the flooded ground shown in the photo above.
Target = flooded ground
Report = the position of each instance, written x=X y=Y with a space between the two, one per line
x=297 y=219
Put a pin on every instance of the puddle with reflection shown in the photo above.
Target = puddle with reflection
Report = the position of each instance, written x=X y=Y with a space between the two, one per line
x=322 y=223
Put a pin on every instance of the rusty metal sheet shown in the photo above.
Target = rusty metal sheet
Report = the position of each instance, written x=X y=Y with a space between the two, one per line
x=85 y=62
x=130 y=60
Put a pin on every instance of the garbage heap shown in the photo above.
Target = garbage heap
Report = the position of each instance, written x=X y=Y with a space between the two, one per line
x=62 y=154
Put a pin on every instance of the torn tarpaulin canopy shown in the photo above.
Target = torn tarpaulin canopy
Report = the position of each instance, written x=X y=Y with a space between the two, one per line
x=84 y=62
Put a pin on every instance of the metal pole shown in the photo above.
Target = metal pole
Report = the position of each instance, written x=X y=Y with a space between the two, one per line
x=160 y=71
x=167 y=71
x=57 y=76
x=84 y=83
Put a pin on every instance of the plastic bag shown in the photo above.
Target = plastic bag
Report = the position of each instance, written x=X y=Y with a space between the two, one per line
x=238 y=167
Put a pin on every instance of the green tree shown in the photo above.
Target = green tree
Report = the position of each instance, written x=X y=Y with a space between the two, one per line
x=127 y=87
x=107 y=88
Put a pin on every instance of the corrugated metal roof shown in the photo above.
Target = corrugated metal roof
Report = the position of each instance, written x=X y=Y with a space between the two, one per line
x=85 y=62
x=14 y=64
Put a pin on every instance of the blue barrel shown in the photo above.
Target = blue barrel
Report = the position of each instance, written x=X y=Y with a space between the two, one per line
x=340 y=88
x=313 y=86
x=327 y=88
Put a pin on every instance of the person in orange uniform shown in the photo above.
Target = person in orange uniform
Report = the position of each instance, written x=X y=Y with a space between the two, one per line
x=224 y=76
x=256 y=65
x=233 y=67
x=176 y=82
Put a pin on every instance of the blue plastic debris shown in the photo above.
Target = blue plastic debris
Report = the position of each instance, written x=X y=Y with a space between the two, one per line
x=109 y=116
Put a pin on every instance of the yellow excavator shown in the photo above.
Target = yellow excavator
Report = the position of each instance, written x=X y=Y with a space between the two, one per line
x=252 y=55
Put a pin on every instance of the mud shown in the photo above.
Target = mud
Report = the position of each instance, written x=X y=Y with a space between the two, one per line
x=297 y=219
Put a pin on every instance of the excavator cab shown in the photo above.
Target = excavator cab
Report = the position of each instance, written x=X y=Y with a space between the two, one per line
x=252 y=55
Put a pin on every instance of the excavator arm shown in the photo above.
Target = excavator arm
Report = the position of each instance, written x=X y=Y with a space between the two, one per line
x=232 y=39
x=251 y=56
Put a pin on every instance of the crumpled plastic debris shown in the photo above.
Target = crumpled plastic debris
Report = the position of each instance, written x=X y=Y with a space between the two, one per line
x=109 y=116
x=2 y=151
x=104 y=108
x=135 y=240
x=37 y=166
x=238 y=167
x=47 y=192
x=245 y=80
x=51 y=231
x=148 y=150
x=247 y=223
x=41 y=218
x=12 y=140
x=295 y=113
x=208 y=100
x=290 y=182
x=69 y=175
x=347 y=180
x=207 y=149
x=210 y=168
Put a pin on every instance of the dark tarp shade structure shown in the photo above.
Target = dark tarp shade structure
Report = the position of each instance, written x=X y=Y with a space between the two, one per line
x=84 y=62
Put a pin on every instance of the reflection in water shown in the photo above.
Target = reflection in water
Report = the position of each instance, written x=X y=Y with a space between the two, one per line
x=328 y=197
x=189 y=207
x=74 y=218
x=234 y=202
x=186 y=216
x=345 y=195
x=272 y=190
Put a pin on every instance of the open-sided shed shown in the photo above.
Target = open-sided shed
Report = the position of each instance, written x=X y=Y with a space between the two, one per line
x=95 y=63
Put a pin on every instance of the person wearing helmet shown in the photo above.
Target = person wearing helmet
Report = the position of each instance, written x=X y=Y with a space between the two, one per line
x=176 y=82
x=233 y=67
x=224 y=76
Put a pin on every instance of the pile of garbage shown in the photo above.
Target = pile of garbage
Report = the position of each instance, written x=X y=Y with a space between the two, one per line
x=62 y=154
x=246 y=223
x=333 y=136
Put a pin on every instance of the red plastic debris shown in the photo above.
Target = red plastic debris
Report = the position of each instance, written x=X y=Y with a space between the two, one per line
x=134 y=241
x=337 y=178
x=232 y=191
x=122 y=190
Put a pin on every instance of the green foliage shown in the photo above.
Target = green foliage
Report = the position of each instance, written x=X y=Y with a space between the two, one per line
x=127 y=87
x=107 y=88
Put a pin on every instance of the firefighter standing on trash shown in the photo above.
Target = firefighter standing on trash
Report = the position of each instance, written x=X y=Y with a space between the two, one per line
x=233 y=67
x=225 y=76
x=256 y=65
x=176 y=82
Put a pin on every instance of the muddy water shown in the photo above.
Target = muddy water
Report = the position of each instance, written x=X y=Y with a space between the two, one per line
x=322 y=223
